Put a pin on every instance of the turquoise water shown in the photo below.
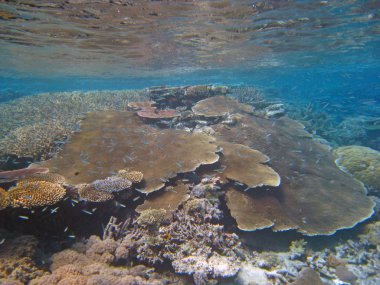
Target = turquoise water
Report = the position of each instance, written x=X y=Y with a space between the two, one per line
x=318 y=60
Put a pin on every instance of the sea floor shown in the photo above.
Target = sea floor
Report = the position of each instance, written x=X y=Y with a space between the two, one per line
x=200 y=184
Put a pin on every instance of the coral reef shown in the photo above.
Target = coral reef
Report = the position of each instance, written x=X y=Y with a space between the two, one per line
x=191 y=239
x=169 y=200
x=92 y=263
x=18 y=264
x=87 y=192
x=110 y=141
x=48 y=177
x=27 y=132
x=154 y=113
x=219 y=106
x=4 y=199
x=112 y=184
x=310 y=179
x=36 y=194
x=133 y=176
x=247 y=166
x=363 y=163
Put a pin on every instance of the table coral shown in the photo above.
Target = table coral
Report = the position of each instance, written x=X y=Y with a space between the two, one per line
x=112 y=184
x=36 y=194
x=48 y=177
x=363 y=163
x=110 y=141
x=314 y=197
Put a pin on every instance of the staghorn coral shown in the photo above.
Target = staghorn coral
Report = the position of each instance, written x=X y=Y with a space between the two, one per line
x=87 y=192
x=363 y=163
x=132 y=175
x=110 y=141
x=36 y=194
x=112 y=184
x=5 y=201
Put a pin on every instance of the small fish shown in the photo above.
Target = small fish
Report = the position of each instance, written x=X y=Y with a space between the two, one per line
x=2 y=241
x=87 y=212
x=268 y=135
x=72 y=236
x=75 y=201
x=246 y=189
x=239 y=183
x=136 y=198
x=94 y=209
x=55 y=210
x=121 y=205
x=44 y=209
x=24 y=217
x=164 y=180
x=65 y=230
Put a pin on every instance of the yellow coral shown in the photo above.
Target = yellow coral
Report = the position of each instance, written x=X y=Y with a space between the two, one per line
x=36 y=194
x=134 y=176
x=4 y=199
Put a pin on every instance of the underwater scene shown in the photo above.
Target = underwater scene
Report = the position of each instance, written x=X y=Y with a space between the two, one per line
x=189 y=142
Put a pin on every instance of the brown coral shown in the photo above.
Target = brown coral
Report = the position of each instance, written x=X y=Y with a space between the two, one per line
x=112 y=184
x=87 y=192
x=169 y=200
x=35 y=194
x=315 y=197
x=219 y=106
x=110 y=141
x=133 y=176
x=247 y=166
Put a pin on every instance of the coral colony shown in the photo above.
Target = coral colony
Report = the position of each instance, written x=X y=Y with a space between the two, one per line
x=170 y=165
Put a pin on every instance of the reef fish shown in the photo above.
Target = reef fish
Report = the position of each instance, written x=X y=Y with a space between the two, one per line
x=13 y=175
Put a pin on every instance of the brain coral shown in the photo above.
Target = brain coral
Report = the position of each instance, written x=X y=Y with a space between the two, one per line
x=35 y=194
x=363 y=163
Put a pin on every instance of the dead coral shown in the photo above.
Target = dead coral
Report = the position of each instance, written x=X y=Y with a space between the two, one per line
x=36 y=194
x=13 y=175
